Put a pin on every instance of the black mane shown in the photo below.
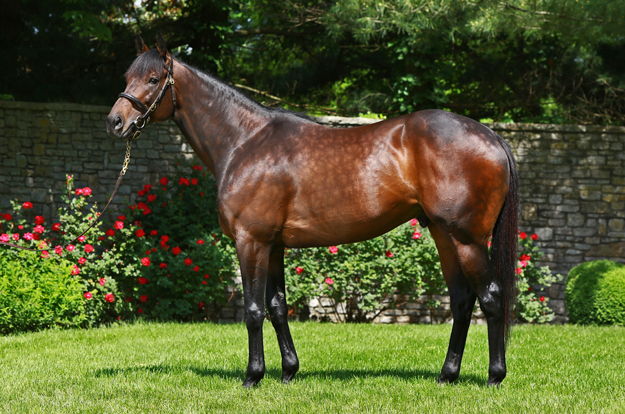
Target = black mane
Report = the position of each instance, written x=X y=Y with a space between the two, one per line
x=152 y=61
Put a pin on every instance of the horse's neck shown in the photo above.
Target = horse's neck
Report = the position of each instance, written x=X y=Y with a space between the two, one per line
x=214 y=118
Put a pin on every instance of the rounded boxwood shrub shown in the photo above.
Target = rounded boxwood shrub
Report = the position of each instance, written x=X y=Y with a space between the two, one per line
x=595 y=293
x=37 y=294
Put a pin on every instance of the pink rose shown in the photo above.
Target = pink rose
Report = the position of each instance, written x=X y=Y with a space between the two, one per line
x=16 y=236
x=86 y=191
x=58 y=250
x=333 y=249
x=39 y=229
x=82 y=238
x=88 y=248
x=82 y=261
x=414 y=222
x=102 y=281
x=119 y=225
x=109 y=297
x=329 y=281
x=70 y=247
x=75 y=270
x=88 y=295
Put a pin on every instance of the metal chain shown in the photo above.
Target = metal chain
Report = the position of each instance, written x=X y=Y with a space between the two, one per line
x=128 y=147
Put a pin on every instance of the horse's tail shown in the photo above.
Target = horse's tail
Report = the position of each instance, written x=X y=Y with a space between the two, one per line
x=503 y=256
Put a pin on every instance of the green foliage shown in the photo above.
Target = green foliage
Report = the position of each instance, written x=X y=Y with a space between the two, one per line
x=595 y=293
x=366 y=276
x=37 y=294
x=174 y=261
x=531 y=307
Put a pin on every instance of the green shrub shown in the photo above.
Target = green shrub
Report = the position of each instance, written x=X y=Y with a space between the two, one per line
x=595 y=293
x=37 y=294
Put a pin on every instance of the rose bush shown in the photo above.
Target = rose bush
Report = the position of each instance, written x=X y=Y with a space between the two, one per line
x=366 y=276
x=176 y=261
x=531 y=307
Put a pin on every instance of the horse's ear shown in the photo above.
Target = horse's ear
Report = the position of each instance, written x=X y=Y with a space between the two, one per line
x=141 y=47
x=161 y=46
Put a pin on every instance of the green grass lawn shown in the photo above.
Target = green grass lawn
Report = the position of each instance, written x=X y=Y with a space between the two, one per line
x=184 y=368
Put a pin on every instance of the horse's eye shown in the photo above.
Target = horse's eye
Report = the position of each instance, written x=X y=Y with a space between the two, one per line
x=154 y=81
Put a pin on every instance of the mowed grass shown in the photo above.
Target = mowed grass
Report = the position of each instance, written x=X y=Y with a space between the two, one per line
x=197 y=368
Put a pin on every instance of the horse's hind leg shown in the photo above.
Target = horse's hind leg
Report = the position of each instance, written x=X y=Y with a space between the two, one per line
x=462 y=297
x=276 y=303
x=476 y=266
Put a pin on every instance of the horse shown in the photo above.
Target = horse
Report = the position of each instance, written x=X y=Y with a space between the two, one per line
x=285 y=181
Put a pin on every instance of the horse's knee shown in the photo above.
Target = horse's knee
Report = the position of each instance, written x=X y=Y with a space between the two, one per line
x=277 y=309
x=254 y=317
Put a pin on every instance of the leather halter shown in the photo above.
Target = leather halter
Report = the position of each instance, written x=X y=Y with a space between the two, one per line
x=141 y=121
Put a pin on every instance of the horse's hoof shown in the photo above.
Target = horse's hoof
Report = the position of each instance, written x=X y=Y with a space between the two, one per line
x=287 y=377
x=249 y=383
x=447 y=378
x=493 y=383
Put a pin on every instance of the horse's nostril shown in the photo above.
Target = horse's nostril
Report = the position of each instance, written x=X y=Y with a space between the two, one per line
x=118 y=122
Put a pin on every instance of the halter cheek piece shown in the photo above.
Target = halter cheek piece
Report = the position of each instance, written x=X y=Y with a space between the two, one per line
x=141 y=121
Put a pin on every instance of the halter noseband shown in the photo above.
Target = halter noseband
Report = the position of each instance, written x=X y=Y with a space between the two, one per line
x=141 y=121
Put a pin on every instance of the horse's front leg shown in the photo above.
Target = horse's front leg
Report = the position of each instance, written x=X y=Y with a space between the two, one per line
x=276 y=303
x=254 y=260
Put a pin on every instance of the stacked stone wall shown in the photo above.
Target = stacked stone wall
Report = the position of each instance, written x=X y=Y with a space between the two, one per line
x=572 y=181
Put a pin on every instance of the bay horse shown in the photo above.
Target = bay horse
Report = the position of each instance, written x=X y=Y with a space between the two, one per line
x=285 y=181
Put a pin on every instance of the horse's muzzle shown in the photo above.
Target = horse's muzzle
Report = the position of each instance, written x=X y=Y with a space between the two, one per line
x=115 y=126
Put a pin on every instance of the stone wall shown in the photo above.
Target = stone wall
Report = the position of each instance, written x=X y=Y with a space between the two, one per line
x=572 y=179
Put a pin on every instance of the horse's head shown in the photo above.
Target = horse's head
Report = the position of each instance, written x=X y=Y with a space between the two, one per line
x=149 y=94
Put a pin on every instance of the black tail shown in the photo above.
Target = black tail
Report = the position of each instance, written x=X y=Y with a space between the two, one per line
x=503 y=255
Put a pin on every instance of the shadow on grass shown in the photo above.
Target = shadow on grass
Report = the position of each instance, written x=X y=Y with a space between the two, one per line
x=337 y=374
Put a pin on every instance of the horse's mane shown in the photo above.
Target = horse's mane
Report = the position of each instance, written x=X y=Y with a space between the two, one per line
x=152 y=61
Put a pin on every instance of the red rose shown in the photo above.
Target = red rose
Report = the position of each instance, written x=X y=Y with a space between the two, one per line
x=299 y=270
x=88 y=295
x=16 y=236
x=534 y=236
x=416 y=235
x=86 y=191
x=121 y=218
x=143 y=280
x=82 y=260
x=110 y=232
x=154 y=233
x=58 y=250
x=162 y=265
x=389 y=253
x=140 y=233
x=143 y=298
x=176 y=251
x=194 y=181
x=88 y=248
x=152 y=197
x=141 y=192
x=7 y=217
x=196 y=268
x=333 y=249
x=45 y=255
x=200 y=241
x=139 y=310
x=542 y=299
x=523 y=235
x=75 y=270
x=28 y=236
x=164 y=181
x=39 y=229
x=188 y=261
x=109 y=297
x=78 y=191
x=525 y=257
x=206 y=276
x=519 y=270
x=39 y=220
x=27 y=205
x=82 y=239
x=204 y=282
x=70 y=247
x=118 y=225
x=56 y=227
x=145 y=261
x=146 y=211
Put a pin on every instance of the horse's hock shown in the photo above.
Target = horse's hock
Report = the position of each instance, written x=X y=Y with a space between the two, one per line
x=572 y=181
